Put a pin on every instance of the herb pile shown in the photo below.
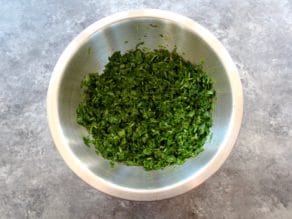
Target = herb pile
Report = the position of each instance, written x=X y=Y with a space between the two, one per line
x=148 y=108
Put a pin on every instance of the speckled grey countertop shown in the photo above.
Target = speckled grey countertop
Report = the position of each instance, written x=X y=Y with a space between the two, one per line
x=255 y=181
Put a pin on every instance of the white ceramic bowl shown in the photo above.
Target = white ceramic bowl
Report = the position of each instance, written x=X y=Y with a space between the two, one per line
x=89 y=52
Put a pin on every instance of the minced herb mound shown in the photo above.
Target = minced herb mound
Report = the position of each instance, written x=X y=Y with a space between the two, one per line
x=148 y=108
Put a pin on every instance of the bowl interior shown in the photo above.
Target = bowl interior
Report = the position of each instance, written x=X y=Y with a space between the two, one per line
x=93 y=54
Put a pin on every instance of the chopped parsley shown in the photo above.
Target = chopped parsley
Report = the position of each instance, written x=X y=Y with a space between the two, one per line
x=148 y=108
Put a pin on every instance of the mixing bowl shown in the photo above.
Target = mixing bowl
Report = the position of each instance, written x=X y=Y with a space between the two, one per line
x=89 y=52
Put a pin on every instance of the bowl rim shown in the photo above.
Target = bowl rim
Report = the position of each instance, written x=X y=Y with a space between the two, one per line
x=145 y=194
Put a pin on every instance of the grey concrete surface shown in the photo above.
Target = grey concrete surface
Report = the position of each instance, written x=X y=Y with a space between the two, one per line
x=255 y=181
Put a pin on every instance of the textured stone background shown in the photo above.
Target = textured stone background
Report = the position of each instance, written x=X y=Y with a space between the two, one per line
x=256 y=180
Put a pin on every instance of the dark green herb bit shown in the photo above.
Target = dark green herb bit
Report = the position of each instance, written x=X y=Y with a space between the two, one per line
x=153 y=25
x=148 y=108
x=89 y=50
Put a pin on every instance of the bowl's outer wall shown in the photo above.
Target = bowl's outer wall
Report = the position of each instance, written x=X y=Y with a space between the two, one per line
x=90 y=54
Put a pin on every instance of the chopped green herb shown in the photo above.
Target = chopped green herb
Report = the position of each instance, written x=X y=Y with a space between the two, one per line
x=126 y=41
x=148 y=108
x=161 y=35
x=139 y=44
